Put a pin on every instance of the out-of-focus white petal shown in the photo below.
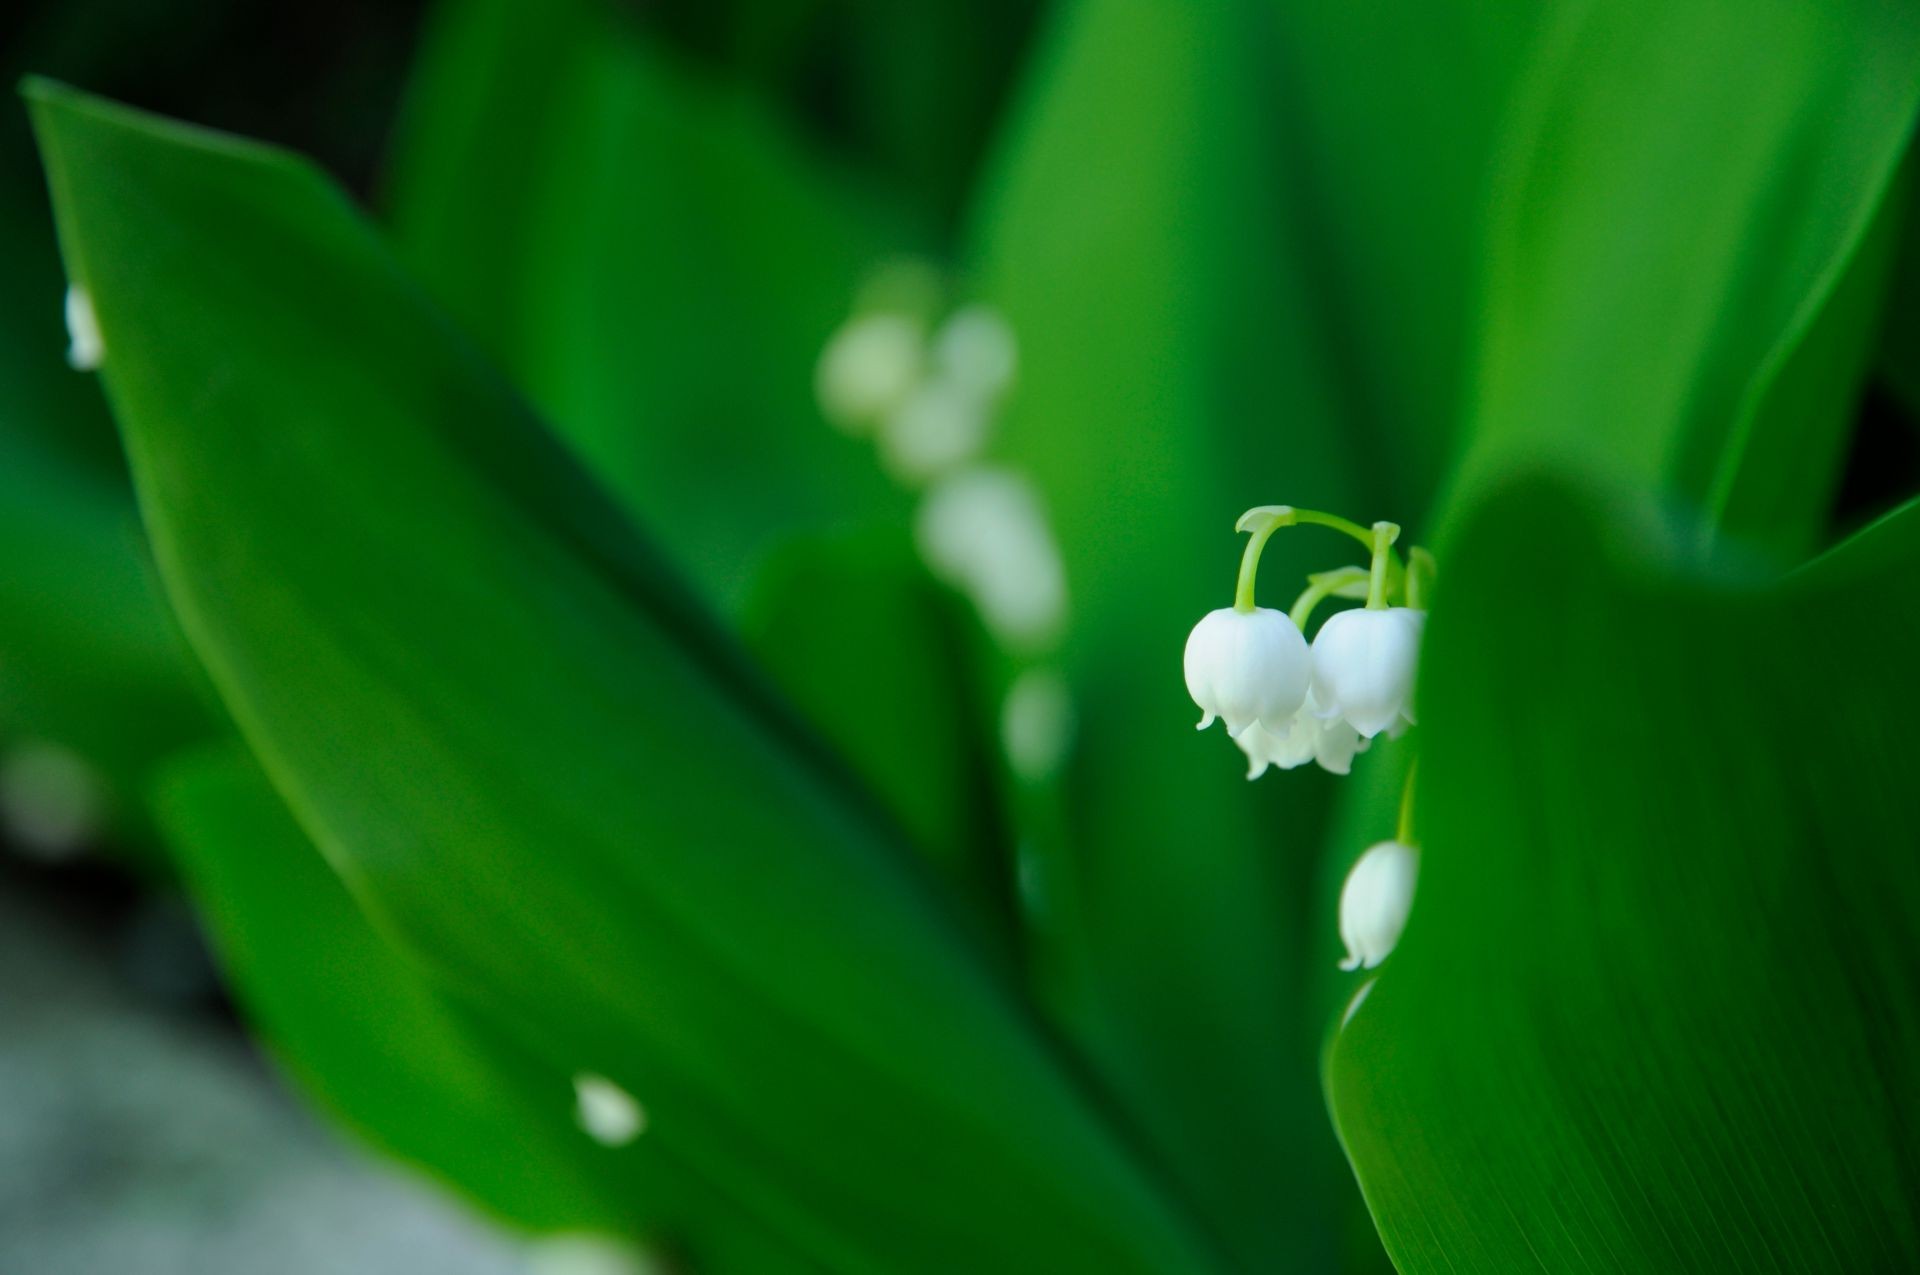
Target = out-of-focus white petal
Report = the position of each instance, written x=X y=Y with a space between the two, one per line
x=1363 y=667
x=868 y=369
x=607 y=1113
x=975 y=350
x=1375 y=902
x=940 y=425
x=85 y=348
x=1247 y=667
x=1036 y=724
x=983 y=531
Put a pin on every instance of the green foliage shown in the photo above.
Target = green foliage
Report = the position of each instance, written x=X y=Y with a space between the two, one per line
x=599 y=716
x=1655 y=1009
x=515 y=736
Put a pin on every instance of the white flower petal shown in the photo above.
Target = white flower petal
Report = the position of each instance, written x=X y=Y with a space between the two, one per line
x=1375 y=902
x=1248 y=667
x=1363 y=667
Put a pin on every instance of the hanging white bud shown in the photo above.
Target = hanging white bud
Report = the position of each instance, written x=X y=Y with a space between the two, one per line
x=868 y=369
x=984 y=532
x=1333 y=744
x=1246 y=667
x=976 y=351
x=1363 y=667
x=1375 y=902
x=607 y=1113
x=85 y=349
x=1036 y=724
x=53 y=804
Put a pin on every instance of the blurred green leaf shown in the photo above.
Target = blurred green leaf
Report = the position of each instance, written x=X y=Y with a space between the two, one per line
x=1393 y=113
x=1685 y=185
x=362 y=1029
x=519 y=740
x=1656 y=1008
x=89 y=658
x=623 y=238
x=1171 y=374
x=868 y=650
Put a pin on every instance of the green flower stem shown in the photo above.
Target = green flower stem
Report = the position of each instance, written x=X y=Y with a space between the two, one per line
x=1322 y=586
x=1404 y=835
x=1421 y=569
x=1263 y=520
x=1384 y=534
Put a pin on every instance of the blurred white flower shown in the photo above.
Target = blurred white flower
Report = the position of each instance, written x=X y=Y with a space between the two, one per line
x=85 y=349
x=607 y=1113
x=1363 y=667
x=975 y=350
x=1246 y=667
x=982 y=530
x=1036 y=724
x=1375 y=902
x=1331 y=743
x=51 y=800
x=940 y=425
x=868 y=369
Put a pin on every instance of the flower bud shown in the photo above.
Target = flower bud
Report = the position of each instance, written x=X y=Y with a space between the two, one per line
x=1375 y=901
x=1247 y=667
x=868 y=369
x=1363 y=667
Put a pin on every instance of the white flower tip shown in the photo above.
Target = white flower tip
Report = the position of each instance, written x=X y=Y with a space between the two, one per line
x=85 y=348
x=605 y=1112
x=1375 y=903
x=1206 y=720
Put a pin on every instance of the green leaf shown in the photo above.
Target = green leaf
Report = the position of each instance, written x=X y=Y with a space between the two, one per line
x=1656 y=1007
x=1393 y=114
x=1170 y=377
x=854 y=632
x=1666 y=237
x=524 y=748
x=621 y=235
x=420 y=1075
x=88 y=656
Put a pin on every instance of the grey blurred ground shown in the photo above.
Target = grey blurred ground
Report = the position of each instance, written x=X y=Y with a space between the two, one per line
x=138 y=1139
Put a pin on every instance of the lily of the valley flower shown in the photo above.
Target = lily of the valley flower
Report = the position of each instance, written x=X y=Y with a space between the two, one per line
x=1363 y=667
x=1248 y=666
x=1375 y=902
x=1333 y=744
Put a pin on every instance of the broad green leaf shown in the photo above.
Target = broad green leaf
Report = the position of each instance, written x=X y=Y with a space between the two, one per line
x=1684 y=186
x=88 y=657
x=424 y=1078
x=855 y=633
x=623 y=236
x=1656 y=1008
x=1170 y=377
x=1393 y=113
x=523 y=746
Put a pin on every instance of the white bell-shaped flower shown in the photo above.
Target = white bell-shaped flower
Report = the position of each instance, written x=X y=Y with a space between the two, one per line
x=1375 y=902
x=1247 y=667
x=1333 y=744
x=1363 y=667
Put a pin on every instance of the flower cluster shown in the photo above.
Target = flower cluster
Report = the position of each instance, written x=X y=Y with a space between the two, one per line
x=925 y=379
x=1286 y=701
